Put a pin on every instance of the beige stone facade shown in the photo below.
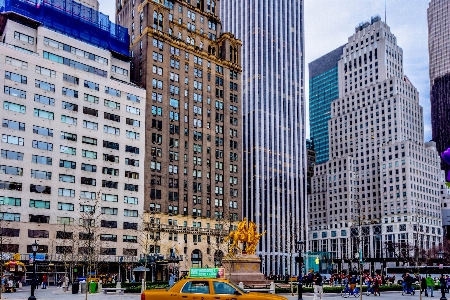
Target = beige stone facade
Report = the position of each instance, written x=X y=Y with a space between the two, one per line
x=72 y=140
x=193 y=135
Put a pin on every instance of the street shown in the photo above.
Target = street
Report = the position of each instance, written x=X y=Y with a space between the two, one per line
x=58 y=293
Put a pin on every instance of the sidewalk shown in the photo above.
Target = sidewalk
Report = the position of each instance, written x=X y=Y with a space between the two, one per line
x=53 y=293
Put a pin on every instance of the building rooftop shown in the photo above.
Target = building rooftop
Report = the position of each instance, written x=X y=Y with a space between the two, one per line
x=74 y=20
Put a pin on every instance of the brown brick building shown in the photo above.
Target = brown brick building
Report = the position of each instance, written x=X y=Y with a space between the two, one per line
x=193 y=123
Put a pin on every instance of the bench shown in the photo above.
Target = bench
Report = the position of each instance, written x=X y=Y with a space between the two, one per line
x=106 y=290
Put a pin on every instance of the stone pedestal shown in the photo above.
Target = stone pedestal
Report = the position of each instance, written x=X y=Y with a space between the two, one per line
x=245 y=268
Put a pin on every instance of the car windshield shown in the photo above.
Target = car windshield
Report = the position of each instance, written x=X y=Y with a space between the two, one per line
x=238 y=287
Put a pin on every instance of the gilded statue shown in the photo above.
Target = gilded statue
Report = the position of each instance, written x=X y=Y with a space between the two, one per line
x=245 y=234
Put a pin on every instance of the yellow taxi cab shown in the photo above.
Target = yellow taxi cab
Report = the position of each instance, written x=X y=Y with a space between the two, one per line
x=205 y=289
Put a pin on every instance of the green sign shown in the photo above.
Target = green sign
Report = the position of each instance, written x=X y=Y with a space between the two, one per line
x=206 y=273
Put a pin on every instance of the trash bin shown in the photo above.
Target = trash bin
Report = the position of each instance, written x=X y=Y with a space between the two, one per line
x=83 y=287
x=92 y=287
x=75 y=287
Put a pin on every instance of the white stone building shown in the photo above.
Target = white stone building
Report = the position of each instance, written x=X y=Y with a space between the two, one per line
x=382 y=178
x=72 y=135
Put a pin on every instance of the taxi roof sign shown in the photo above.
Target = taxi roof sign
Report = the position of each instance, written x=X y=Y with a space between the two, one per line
x=206 y=273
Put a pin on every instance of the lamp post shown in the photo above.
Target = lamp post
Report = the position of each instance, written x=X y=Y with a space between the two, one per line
x=300 y=265
x=442 y=279
x=34 y=247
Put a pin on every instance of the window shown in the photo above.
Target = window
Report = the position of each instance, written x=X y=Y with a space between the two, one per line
x=129 y=239
x=68 y=136
x=89 y=154
x=42 y=145
x=133 y=98
x=67 y=164
x=127 y=225
x=108 y=237
x=88 y=168
x=40 y=204
x=130 y=213
x=133 y=110
x=89 y=181
x=111 y=117
x=112 y=91
x=132 y=162
x=111 y=145
x=15 y=92
x=45 y=72
x=76 y=51
x=68 y=150
x=14 y=107
x=132 y=149
x=11 y=170
x=9 y=217
x=44 y=100
x=88 y=195
x=68 y=120
x=69 y=106
x=90 y=111
x=110 y=158
x=66 y=178
x=71 y=79
x=131 y=187
x=133 y=122
x=89 y=140
x=10 y=201
x=73 y=63
x=64 y=220
x=69 y=92
x=132 y=135
x=112 y=104
x=15 y=77
x=119 y=70
x=111 y=130
x=40 y=189
x=23 y=37
x=39 y=219
x=87 y=208
x=41 y=160
x=90 y=125
x=43 y=114
x=130 y=200
x=109 y=184
x=13 y=125
x=91 y=85
x=110 y=197
x=16 y=62
x=108 y=224
x=109 y=211
x=10 y=139
x=91 y=98
x=41 y=174
x=8 y=154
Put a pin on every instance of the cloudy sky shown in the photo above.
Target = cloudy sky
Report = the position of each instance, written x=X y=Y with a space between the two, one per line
x=329 y=23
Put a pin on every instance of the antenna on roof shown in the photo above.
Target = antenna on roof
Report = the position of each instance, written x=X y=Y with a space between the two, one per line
x=385 y=21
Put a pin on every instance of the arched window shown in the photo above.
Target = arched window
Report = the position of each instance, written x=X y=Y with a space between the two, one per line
x=155 y=19
x=160 y=23
x=213 y=7
x=196 y=258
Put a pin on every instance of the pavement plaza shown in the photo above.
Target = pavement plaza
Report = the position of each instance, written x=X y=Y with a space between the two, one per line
x=57 y=293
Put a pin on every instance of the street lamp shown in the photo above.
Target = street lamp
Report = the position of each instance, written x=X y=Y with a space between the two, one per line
x=35 y=248
x=300 y=245
x=442 y=279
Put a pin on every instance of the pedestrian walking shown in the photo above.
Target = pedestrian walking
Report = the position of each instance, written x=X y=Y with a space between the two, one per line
x=44 y=281
x=430 y=286
x=318 y=288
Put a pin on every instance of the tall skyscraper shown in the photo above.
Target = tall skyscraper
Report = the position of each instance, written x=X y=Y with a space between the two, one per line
x=274 y=160
x=380 y=190
x=191 y=71
x=439 y=59
x=323 y=89
x=72 y=133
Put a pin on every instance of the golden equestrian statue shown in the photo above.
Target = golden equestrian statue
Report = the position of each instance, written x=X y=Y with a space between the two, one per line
x=246 y=235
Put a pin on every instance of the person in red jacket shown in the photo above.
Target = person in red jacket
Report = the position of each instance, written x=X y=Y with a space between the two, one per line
x=44 y=281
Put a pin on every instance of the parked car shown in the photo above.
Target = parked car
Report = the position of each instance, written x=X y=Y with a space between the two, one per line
x=207 y=288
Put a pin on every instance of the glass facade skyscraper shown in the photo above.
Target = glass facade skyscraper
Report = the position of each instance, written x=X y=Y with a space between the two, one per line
x=323 y=89
x=274 y=154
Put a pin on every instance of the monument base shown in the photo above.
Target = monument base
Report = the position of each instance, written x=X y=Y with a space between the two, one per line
x=245 y=268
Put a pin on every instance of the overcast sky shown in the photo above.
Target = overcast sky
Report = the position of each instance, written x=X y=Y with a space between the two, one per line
x=329 y=23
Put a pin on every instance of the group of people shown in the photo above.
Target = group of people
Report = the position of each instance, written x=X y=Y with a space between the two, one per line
x=428 y=284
